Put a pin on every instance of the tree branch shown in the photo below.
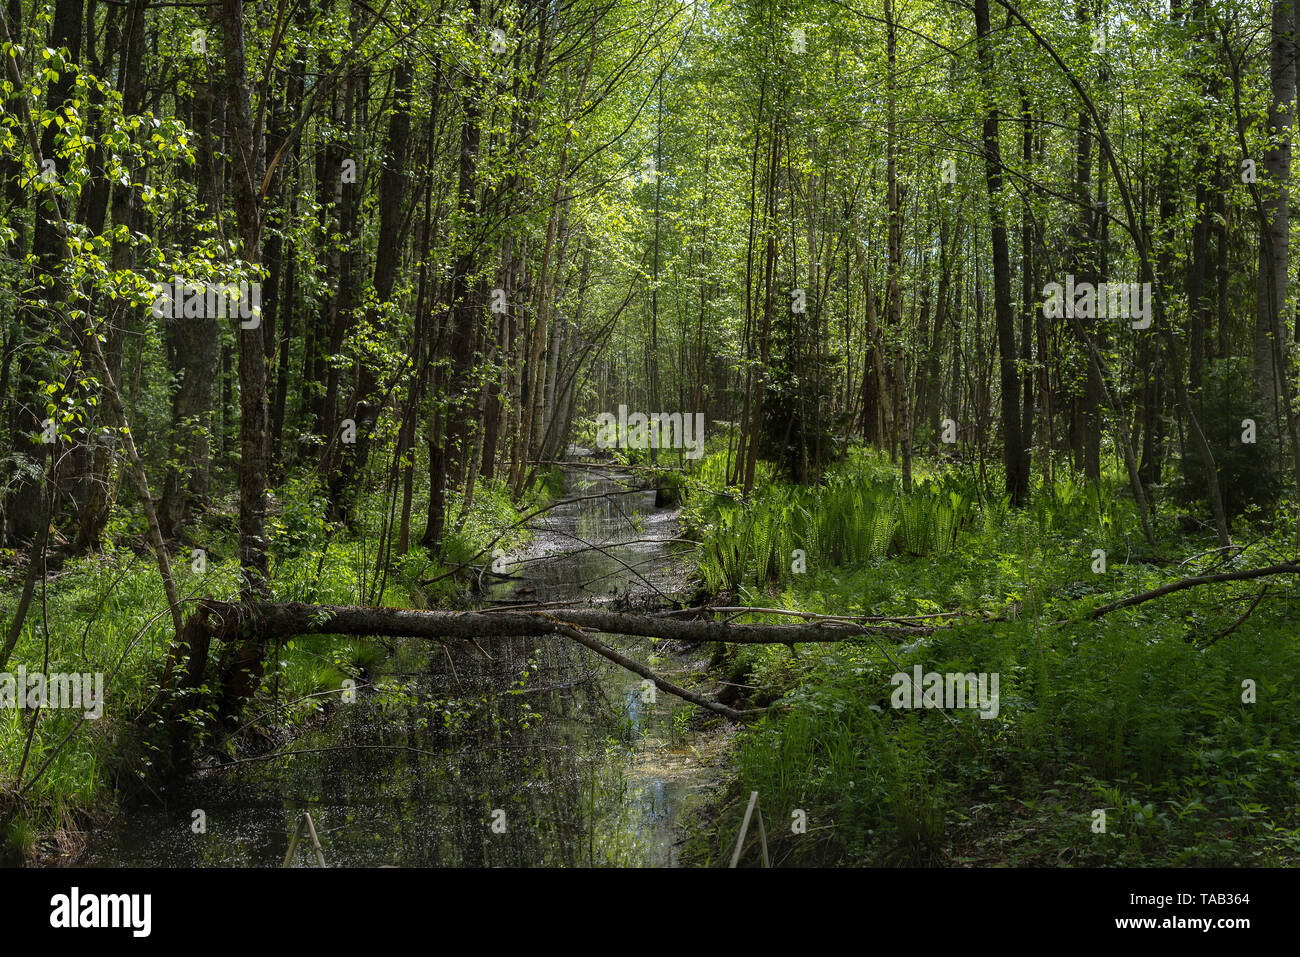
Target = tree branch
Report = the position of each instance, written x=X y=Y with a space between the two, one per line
x=1285 y=568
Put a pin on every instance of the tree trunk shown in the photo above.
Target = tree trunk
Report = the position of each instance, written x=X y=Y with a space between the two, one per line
x=1017 y=481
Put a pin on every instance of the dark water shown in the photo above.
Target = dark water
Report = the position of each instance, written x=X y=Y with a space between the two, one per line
x=557 y=746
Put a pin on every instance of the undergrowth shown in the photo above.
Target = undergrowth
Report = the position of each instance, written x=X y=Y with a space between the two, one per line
x=1139 y=713
x=107 y=613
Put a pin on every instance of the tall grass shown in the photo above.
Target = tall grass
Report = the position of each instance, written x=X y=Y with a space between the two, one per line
x=1135 y=713
x=107 y=613
x=860 y=515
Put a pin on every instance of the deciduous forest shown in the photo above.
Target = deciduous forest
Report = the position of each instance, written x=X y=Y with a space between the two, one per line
x=649 y=432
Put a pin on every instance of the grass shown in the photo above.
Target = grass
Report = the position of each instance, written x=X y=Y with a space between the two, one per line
x=1138 y=714
x=107 y=613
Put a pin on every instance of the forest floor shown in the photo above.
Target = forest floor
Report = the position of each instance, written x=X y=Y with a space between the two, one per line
x=1165 y=733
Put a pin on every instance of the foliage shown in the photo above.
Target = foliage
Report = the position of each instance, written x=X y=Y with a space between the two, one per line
x=1139 y=713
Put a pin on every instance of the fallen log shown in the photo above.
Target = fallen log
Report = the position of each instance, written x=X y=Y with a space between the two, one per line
x=283 y=619
x=1284 y=568
x=269 y=621
x=631 y=664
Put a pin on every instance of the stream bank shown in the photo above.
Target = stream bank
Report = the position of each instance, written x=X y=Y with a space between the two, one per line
x=534 y=753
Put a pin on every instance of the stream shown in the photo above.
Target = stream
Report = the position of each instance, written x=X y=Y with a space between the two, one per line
x=544 y=755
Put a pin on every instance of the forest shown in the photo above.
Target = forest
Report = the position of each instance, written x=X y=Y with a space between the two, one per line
x=630 y=433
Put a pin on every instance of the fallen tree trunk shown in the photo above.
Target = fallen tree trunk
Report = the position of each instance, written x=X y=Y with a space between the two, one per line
x=1285 y=568
x=631 y=664
x=270 y=621
x=282 y=619
x=264 y=622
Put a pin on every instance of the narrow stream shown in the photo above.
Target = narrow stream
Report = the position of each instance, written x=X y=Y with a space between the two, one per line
x=559 y=749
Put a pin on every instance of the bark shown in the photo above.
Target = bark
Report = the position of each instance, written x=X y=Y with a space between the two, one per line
x=267 y=622
x=536 y=420
x=893 y=288
x=465 y=311
x=755 y=425
x=1275 y=231
x=126 y=211
x=351 y=463
x=1017 y=480
x=349 y=194
x=243 y=669
x=44 y=305
x=193 y=346
x=291 y=146
x=1028 y=307
x=876 y=404
x=1282 y=568
x=19 y=518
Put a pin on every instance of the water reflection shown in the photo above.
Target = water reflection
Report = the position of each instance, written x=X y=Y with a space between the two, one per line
x=558 y=746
